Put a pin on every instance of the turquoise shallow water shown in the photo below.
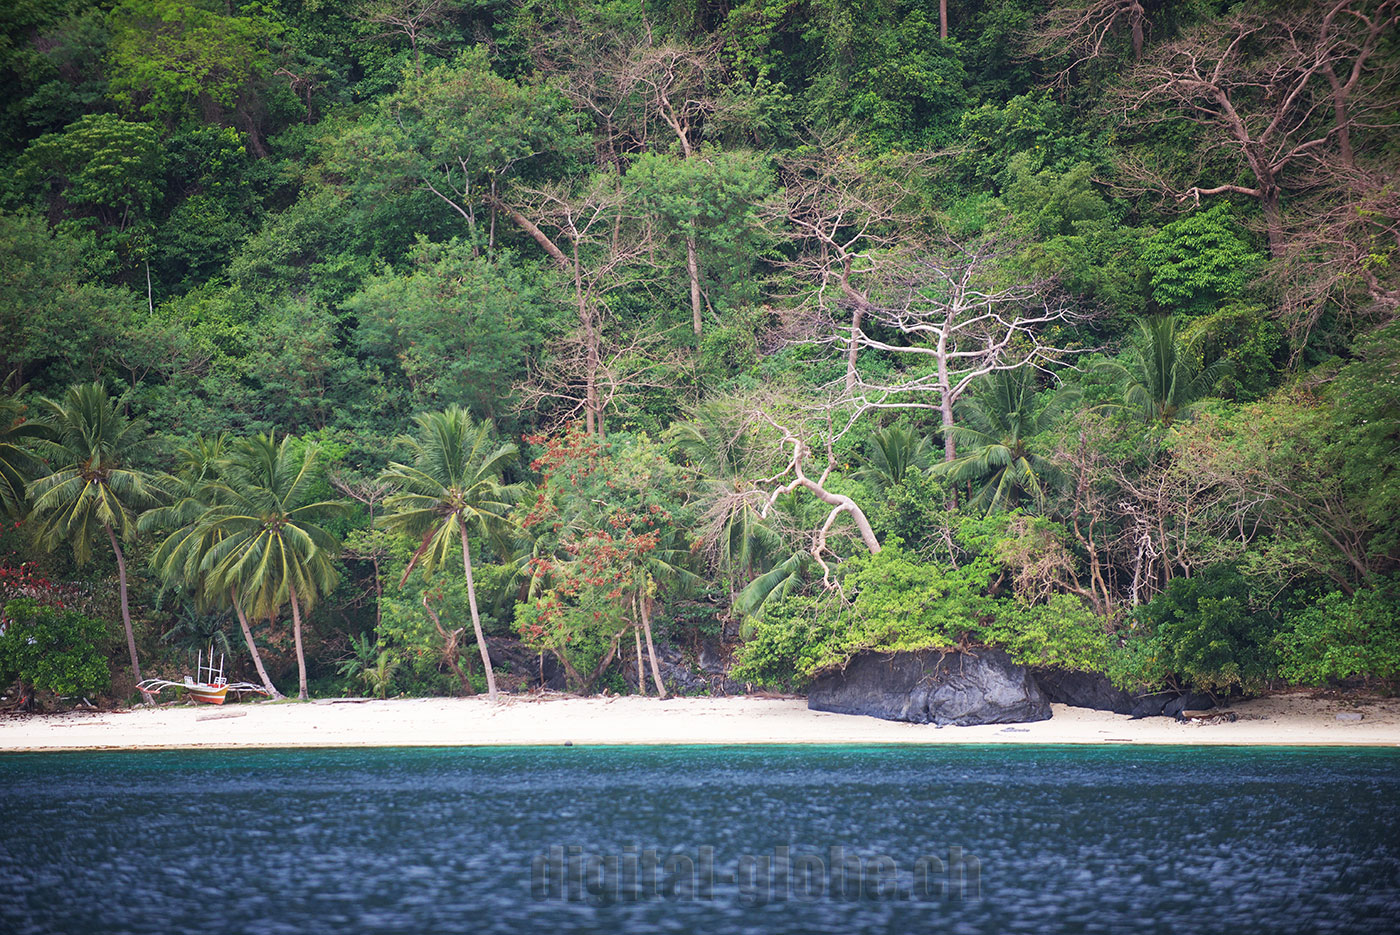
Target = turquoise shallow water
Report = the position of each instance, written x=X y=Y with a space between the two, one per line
x=737 y=839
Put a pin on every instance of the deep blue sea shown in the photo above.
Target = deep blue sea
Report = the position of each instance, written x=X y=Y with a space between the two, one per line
x=702 y=840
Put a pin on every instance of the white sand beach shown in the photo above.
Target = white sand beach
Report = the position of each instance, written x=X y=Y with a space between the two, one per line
x=1291 y=719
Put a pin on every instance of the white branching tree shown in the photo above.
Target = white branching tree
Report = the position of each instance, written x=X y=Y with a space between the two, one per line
x=795 y=427
x=958 y=317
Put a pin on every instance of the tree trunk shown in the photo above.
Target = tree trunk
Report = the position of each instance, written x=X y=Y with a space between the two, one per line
x=852 y=356
x=449 y=646
x=588 y=320
x=476 y=617
x=252 y=647
x=296 y=638
x=126 y=609
x=651 y=649
x=529 y=227
x=943 y=19
x=1273 y=220
x=641 y=675
x=945 y=408
x=692 y=265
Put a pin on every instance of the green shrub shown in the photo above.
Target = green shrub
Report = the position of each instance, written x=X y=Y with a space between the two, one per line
x=1060 y=632
x=1204 y=630
x=787 y=642
x=899 y=603
x=53 y=650
x=1341 y=637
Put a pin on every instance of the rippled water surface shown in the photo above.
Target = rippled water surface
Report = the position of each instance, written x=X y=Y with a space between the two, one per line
x=739 y=839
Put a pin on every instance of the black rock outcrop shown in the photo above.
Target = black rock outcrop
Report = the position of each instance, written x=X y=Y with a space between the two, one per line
x=1084 y=690
x=931 y=686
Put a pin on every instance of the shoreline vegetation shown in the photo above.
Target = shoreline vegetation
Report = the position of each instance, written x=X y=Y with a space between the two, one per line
x=1287 y=719
x=430 y=349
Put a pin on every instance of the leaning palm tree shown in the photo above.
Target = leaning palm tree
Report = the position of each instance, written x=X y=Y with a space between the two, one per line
x=997 y=423
x=18 y=464
x=452 y=488
x=1163 y=379
x=179 y=560
x=91 y=490
x=269 y=548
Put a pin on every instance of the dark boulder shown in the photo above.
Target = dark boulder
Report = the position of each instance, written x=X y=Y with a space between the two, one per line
x=1170 y=704
x=945 y=688
x=682 y=674
x=510 y=656
x=1084 y=690
x=1092 y=690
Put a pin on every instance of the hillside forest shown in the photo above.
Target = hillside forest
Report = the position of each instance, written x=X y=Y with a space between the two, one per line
x=367 y=342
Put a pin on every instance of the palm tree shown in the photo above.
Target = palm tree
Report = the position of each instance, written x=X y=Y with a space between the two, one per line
x=269 y=548
x=18 y=465
x=90 y=488
x=453 y=487
x=714 y=442
x=180 y=557
x=1163 y=379
x=995 y=428
x=893 y=452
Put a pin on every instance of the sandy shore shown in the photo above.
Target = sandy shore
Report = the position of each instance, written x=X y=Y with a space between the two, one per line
x=525 y=720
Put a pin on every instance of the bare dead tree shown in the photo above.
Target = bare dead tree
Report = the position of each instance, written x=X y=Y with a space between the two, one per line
x=968 y=318
x=1345 y=46
x=679 y=84
x=412 y=19
x=632 y=83
x=1275 y=96
x=1082 y=30
x=585 y=372
x=1331 y=261
x=794 y=426
x=601 y=247
x=853 y=241
x=1082 y=458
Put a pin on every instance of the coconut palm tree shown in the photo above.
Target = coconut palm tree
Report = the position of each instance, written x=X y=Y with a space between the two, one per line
x=180 y=557
x=91 y=491
x=268 y=548
x=18 y=465
x=996 y=425
x=1164 y=379
x=714 y=442
x=893 y=452
x=452 y=489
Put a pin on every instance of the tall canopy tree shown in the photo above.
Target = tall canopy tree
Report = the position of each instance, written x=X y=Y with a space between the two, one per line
x=270 y=547
x=452 y=488
x=90 y=487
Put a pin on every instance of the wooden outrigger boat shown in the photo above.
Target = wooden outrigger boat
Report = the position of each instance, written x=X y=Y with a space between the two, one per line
x=207 y=685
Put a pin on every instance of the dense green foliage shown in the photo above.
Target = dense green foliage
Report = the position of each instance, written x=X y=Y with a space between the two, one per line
x=50 y=649
x=797 y=328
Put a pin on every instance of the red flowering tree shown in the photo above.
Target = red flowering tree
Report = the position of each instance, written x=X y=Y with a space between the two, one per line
x=607 y=519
